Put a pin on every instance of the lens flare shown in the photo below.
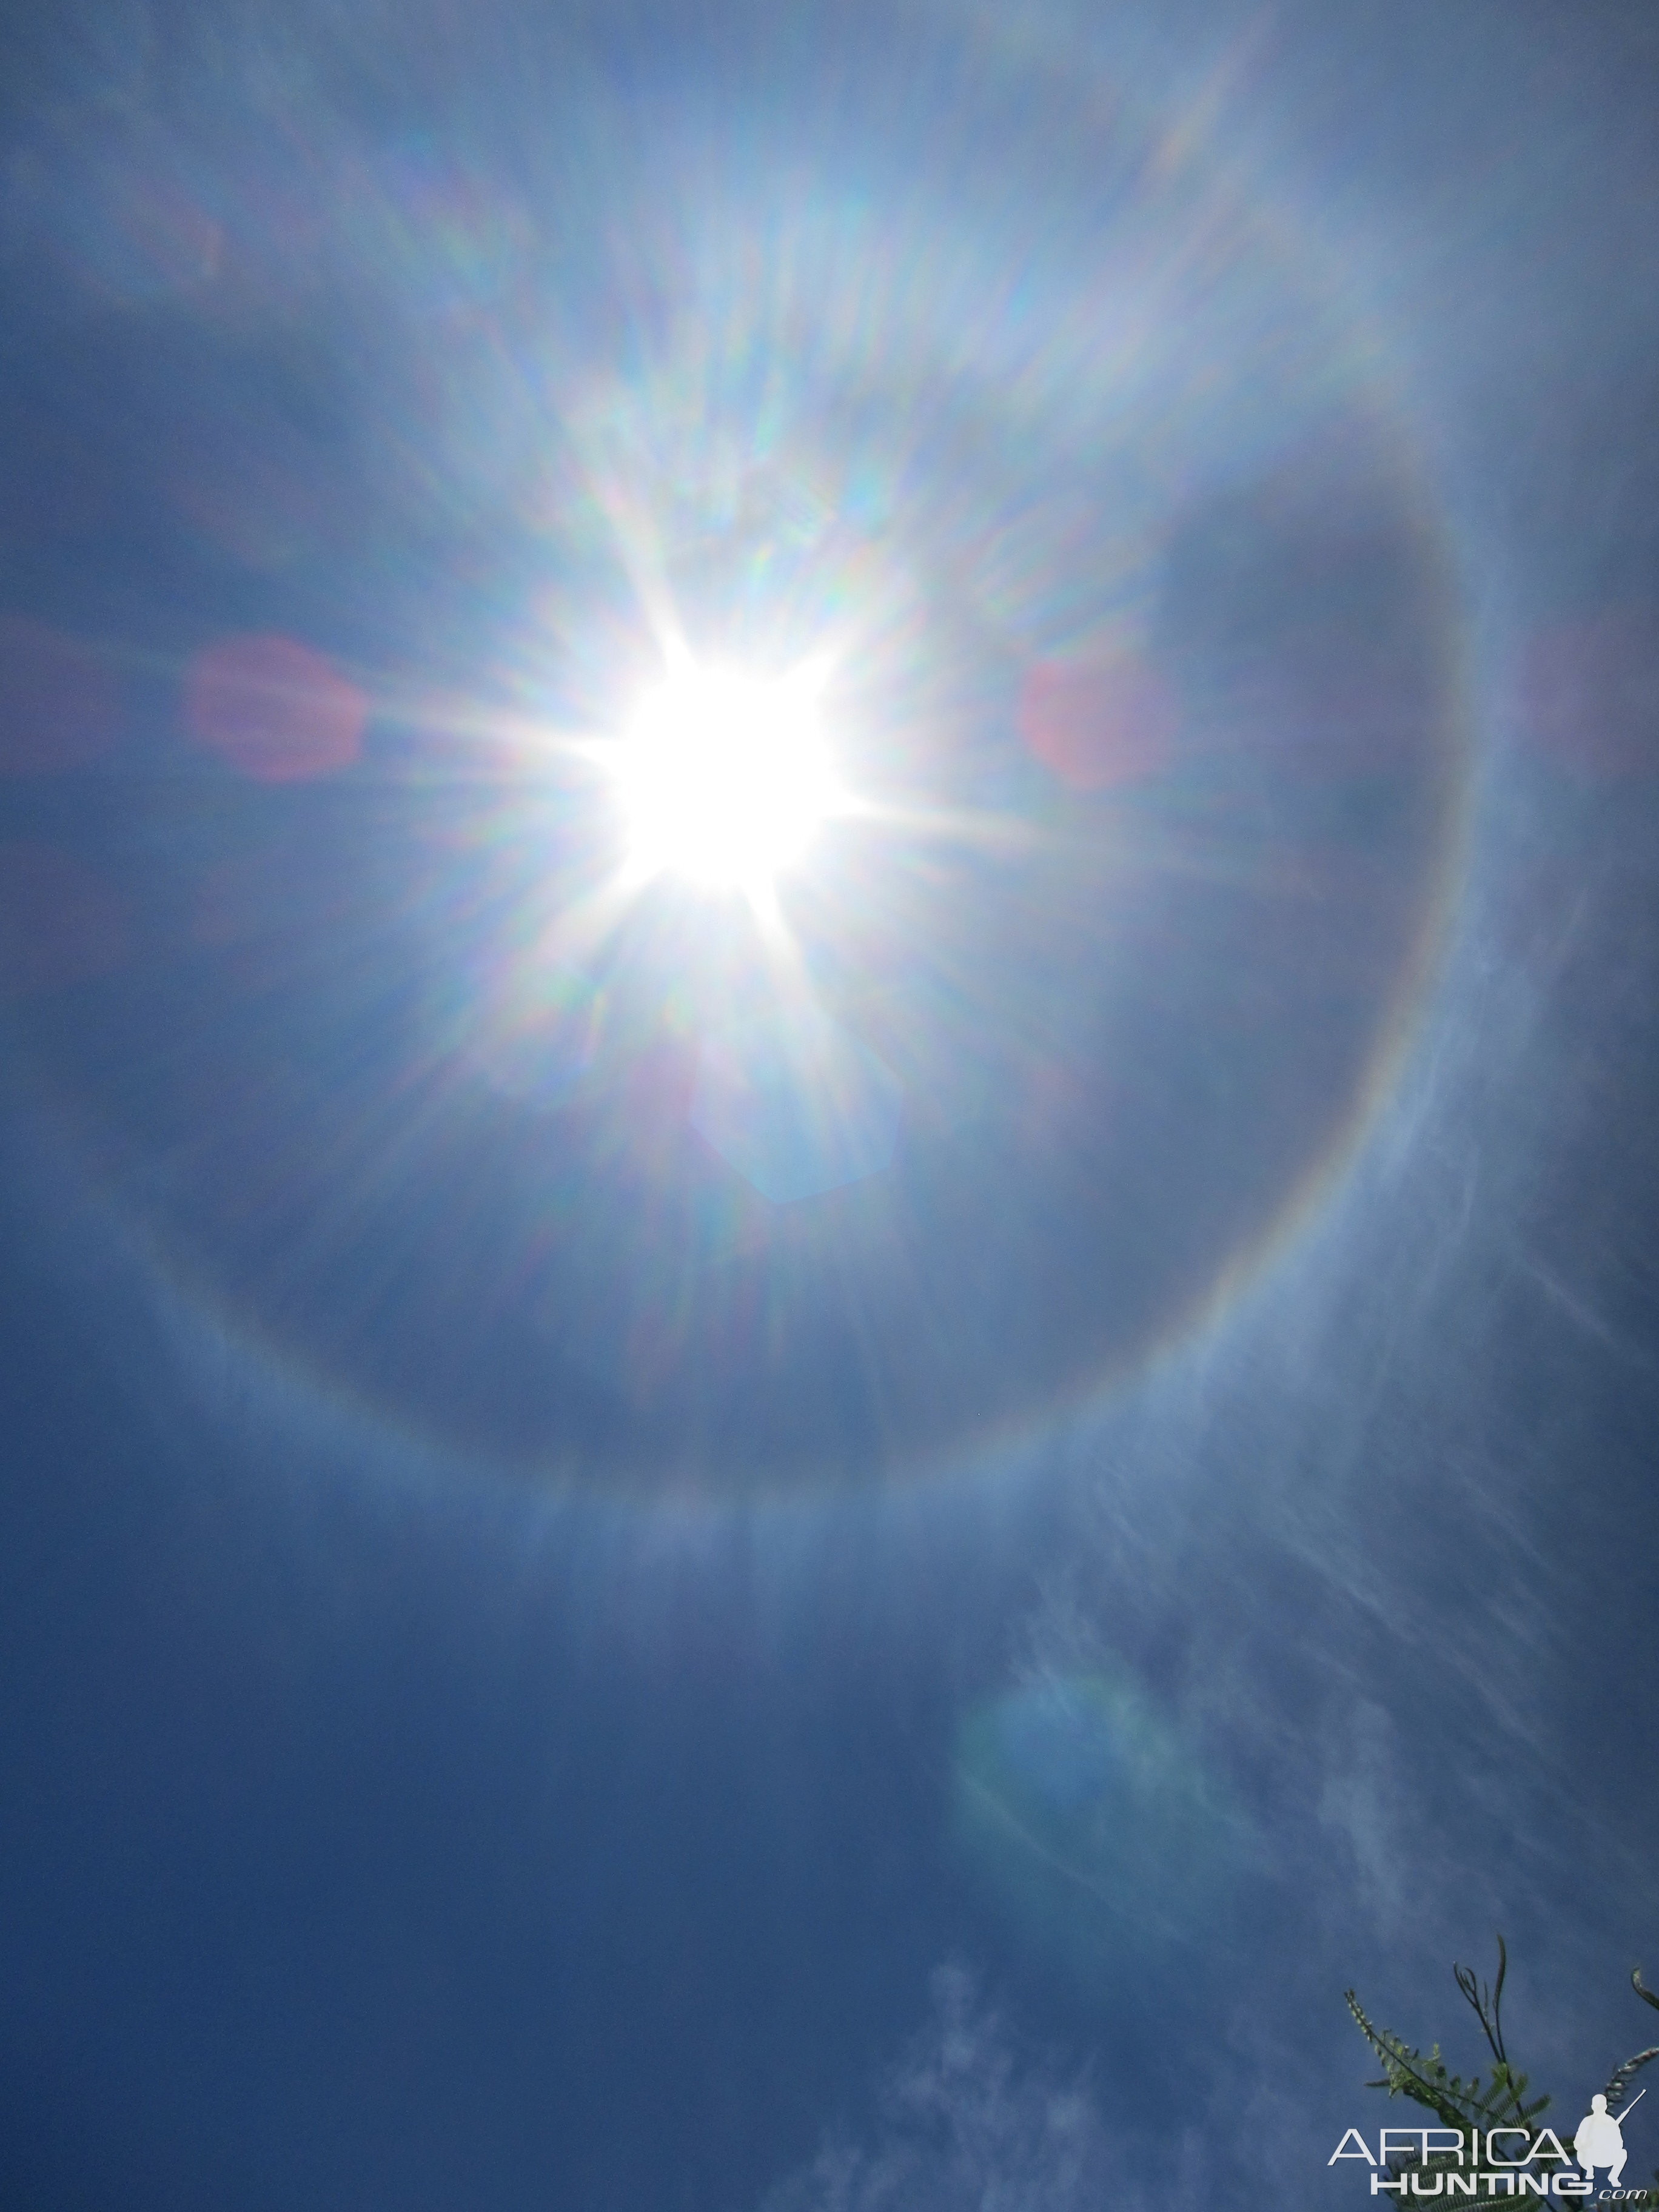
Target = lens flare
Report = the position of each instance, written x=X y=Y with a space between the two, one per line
x=787 y=794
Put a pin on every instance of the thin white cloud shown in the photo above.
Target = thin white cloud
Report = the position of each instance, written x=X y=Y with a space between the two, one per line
x=968 y=2122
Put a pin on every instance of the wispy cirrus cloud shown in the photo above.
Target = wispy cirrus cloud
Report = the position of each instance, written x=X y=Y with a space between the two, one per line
x=968 y=2122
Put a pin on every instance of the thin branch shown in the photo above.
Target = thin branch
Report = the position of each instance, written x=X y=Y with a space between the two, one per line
x=1488 y=2005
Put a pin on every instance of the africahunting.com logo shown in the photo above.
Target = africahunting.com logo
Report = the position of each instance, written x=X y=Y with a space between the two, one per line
x=1488 y=2140
x=1500 y=2161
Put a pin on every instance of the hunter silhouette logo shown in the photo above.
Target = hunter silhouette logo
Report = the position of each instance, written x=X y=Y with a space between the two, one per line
x=1600 y=2140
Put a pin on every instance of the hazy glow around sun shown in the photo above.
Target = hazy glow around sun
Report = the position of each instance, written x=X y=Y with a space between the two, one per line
x=725 y=776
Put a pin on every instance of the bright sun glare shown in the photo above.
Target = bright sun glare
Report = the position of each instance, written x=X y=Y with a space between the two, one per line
x=725 y=777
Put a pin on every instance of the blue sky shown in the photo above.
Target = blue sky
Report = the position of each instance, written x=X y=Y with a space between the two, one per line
x=842 y=1538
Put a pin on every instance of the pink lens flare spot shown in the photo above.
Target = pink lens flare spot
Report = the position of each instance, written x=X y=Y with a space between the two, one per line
x=60 y=707
x=169 y=231
x=274 y=708
x=60 y=921
x=1095 y=724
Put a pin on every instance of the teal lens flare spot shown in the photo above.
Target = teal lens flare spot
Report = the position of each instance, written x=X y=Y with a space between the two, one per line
x=797 y=1105
x=1092 y=1824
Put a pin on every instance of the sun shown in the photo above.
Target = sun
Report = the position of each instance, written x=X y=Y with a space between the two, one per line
x=725 y=777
